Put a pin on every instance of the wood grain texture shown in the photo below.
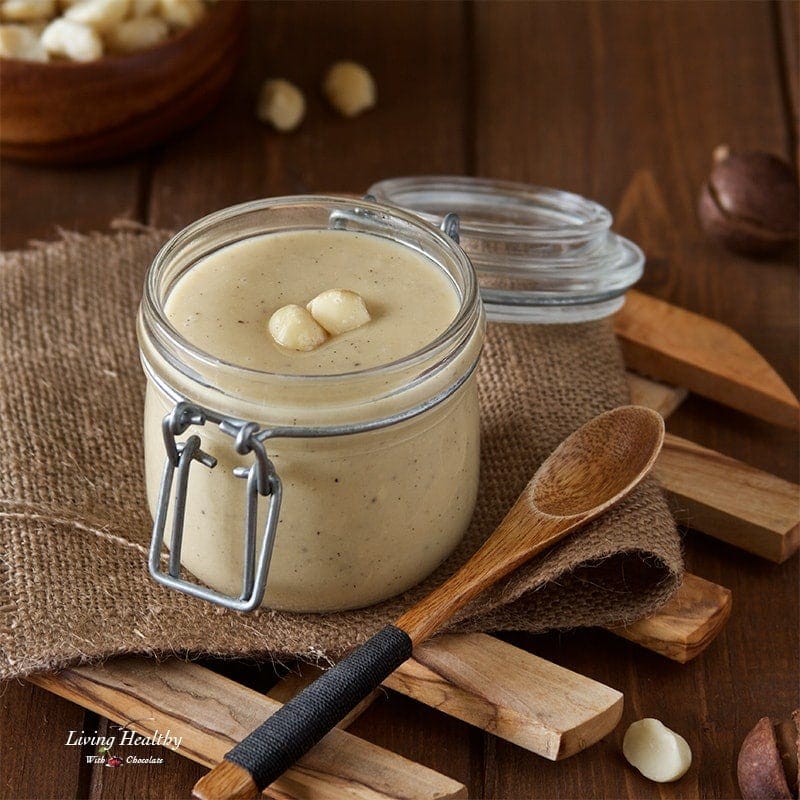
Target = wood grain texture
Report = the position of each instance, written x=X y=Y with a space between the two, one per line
x=718 y=495
x=533 y=703
x=211 y=713
x=723 y=497
x=227 y=782
x=625 y=102
x=31 y=715
x=659 y=396
x=538 y=705
x=417 y=126
x=687 y=349
x=687 y=624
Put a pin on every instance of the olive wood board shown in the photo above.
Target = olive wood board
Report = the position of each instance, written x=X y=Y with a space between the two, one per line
x=540 y=706
x=675 y=345
x=212 y=713
x=718 y=495
x=543 y=707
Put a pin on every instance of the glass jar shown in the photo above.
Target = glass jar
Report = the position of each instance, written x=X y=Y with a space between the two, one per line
x=541 y=255
x=298 y=492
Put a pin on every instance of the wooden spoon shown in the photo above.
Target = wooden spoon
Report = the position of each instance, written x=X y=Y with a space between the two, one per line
x=588 y=473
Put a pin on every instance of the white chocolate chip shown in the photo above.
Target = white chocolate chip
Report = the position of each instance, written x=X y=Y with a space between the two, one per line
x=28 y=10
x=281 y=104
x=98 y=14
x=73 y=40
x=182 y=13
x=339 y=310
x=21 y=41
x=657 y=752
x=349 y=88
x=293 y=327
x=136 y=34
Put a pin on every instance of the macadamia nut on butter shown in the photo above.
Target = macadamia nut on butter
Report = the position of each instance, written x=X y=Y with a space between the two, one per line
x=293 y=327
x=339 y=310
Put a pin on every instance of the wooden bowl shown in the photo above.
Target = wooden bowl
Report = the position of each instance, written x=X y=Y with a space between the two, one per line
x=65 y=112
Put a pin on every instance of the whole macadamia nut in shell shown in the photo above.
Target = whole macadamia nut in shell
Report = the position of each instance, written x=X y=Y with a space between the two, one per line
x=767 y=764
x=751 y=202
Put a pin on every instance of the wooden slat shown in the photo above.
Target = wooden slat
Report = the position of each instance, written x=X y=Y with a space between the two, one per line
x=499 y=688
x=723 y=497
x=211 y=713
x=686 y=349
x=660 y=397
x=687 y=624
x=718 y=495
x=511 y=693
x=527 y=700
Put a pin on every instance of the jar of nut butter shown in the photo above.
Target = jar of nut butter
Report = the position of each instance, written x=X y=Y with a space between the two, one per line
x=298 y=459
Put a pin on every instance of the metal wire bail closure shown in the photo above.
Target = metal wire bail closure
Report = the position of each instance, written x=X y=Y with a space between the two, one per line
x=262 y=481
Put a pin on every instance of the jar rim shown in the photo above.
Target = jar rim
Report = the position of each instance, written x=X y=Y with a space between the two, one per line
x=158 y=325
x=540 y=254
x=573 y=216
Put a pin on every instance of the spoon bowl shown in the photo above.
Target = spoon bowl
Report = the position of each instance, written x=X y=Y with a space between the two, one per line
x=593 y=468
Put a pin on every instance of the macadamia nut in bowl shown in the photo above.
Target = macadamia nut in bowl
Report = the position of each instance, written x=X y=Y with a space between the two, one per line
x=103 y=78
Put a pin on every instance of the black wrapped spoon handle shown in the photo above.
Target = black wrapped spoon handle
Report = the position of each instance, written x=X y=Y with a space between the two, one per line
x=296 y=727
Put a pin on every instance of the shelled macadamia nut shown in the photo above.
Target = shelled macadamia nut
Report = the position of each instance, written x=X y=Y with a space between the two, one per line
x=350 y=88
x=135 y=34
x=98 y=14
x=281 y=104
x=339 y=310
x=21 y=41
x=182 y=13
x=27 y=10
x=74 y=40
x=657 y=752
x=293 y=327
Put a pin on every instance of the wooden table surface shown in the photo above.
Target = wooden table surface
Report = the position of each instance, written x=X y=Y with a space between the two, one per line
x=623 y=102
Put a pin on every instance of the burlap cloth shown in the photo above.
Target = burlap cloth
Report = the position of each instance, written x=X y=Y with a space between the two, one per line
x=74 y=526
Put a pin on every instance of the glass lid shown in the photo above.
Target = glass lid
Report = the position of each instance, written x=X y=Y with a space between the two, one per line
x=542 y=255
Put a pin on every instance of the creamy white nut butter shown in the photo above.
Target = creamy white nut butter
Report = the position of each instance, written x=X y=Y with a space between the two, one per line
x=364 y=515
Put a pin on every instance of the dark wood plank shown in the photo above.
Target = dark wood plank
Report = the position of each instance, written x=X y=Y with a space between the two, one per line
x=36 y=201
x=417 y=126
x=168 y=776
x=788 y=22
x=35 y=761
x=625 y=102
